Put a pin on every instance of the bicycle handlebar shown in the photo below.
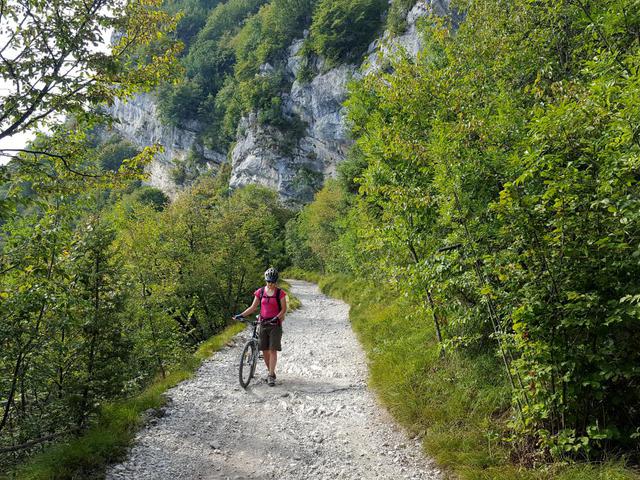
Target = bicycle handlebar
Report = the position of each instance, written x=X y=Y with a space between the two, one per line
x=271 y=321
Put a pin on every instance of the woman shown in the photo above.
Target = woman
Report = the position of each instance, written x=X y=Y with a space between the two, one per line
x=273 y=307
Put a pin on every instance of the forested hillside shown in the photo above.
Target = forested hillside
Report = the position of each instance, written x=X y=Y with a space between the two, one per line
x=235 y=55
x=262 y=86
x=483 y=223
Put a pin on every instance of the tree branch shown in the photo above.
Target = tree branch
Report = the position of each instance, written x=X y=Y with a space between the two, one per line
x=62 y=158
x=37 y=441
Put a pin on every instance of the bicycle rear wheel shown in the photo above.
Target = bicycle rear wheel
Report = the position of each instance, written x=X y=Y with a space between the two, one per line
x=247 y=363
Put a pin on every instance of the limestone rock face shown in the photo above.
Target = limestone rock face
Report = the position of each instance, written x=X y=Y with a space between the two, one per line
x=296 y=167
x=264 y=155
x=319 y=104
x=138 y=121
x=257 y=158
x=294 y=161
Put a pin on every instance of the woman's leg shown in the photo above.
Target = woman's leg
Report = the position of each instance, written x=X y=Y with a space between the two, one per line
x=266 y=356
x=273 y=359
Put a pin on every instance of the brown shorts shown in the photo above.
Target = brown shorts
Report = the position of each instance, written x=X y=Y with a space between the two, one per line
x=270 y=337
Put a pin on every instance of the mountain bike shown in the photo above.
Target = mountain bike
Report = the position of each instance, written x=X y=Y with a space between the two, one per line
x=250 y=353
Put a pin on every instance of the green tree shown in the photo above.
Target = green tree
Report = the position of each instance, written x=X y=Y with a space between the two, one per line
x=57 y=40
x=151 y=196
x=113 y=153
x=99 y=296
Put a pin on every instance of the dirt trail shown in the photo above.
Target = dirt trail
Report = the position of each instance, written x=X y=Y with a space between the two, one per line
x=320 y=421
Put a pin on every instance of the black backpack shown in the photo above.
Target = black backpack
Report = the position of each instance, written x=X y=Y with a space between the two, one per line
x=277 y=298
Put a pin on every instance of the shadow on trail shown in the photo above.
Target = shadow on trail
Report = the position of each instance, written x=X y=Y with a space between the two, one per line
x=298 y=385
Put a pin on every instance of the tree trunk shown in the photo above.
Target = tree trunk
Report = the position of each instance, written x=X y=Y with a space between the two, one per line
x=436 y=322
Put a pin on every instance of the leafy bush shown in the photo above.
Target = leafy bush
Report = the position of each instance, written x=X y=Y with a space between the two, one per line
x=342 y=29
x=193 y=17
x=267 y=34
x=180 y=103
x=397 y=17
x=113 y=152
x=151 y=196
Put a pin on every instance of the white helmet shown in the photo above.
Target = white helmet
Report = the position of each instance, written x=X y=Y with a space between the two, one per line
x=271 y=275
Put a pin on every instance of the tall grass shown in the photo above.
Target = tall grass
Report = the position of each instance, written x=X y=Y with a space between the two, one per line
x=458 y=404
x=87 y=456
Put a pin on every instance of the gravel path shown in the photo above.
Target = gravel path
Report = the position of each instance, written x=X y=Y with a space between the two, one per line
x=320 y=421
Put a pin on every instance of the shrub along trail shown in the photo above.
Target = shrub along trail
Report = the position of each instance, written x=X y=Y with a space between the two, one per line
x=319 y=421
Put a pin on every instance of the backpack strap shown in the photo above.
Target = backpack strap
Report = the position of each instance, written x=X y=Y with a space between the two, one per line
x=260 y=309
x=278 y=299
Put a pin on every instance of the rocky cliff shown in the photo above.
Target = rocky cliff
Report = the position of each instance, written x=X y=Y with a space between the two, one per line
x=138 y=121
x=295 y=164
x=298 y=169
x=256 y=158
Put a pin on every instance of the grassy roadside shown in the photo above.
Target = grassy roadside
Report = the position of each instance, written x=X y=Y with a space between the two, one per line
x=293 y=303
x=457 y=404
x=116 y=425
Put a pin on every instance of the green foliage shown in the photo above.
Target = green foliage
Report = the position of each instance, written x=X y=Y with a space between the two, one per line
x=57 y=41
x=298 y=250
x=306 y=71
x=188 y=256
x=494 y=180
x=342 y=29
x=268 y=33
x=259 y=79
x=223 y=80
x=317 y=226
x=208 y=62
x=397 y=17
x=116 y=425
x=306 y=183
x=193 y=17
x=113 y=152
x=178 y=103
x=151 y=196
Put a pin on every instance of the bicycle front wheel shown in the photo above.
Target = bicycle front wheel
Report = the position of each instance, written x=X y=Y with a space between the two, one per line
x=247 y=363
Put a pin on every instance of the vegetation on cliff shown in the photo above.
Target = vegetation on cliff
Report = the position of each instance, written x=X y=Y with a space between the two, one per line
x=236 y=61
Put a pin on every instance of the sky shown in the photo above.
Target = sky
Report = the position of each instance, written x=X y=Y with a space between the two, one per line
x=20 y=140
x=15 y=141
